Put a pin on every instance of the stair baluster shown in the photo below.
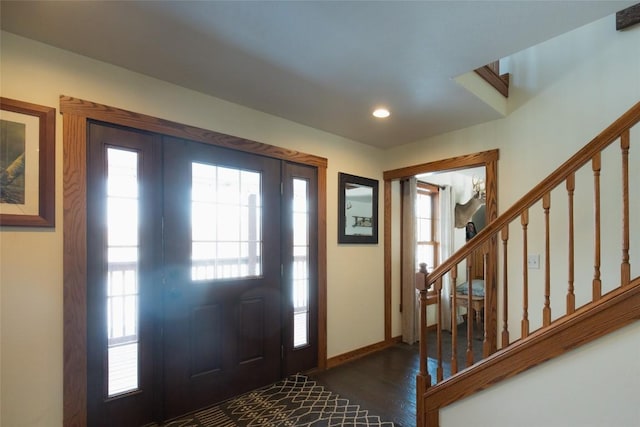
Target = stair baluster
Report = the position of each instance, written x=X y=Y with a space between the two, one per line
x=439 y=370
x=454 y=321
x=470 y=264
x=505 y=287
x=524 y=221
x=571 y=297
x=597 y=282
x=546 y=311
x=625 y=267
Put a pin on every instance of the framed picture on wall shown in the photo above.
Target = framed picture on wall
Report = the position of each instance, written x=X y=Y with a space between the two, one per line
x=27 y=164
x=357 y=209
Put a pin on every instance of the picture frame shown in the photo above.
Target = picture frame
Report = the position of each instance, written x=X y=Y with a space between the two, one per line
x=27 y=164
x=357 y=209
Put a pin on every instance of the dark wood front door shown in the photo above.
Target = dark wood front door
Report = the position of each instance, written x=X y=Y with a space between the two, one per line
x=202 y=274
x=222 y=321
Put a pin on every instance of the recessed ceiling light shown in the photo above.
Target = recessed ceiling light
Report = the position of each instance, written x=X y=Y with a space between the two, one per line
x=381 y=113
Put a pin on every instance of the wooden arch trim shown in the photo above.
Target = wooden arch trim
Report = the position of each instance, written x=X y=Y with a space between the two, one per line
x=76 y=113
x=488 y=159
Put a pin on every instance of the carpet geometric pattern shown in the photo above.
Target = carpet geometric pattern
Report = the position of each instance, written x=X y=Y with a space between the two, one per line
x=296 y=401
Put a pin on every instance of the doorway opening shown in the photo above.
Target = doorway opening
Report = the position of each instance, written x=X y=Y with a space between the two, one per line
x=485 y=160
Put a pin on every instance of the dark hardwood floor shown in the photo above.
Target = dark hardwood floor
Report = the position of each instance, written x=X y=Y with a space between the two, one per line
x=383 y=382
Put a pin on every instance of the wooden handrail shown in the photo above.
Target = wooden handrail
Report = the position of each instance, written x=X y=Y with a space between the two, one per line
x=564 y=332
x=491 y=74
x=597 y=144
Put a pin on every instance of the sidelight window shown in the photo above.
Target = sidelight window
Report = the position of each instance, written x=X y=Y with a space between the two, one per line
x=122 y=270
x=300 y=263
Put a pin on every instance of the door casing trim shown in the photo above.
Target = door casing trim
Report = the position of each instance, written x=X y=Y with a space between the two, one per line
x=488 y=159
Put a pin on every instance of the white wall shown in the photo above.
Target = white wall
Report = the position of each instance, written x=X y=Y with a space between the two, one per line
x=31 y=259
x=563 y=93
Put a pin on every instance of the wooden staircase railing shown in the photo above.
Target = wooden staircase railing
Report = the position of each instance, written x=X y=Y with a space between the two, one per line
x=602 y=313
x=491 y=74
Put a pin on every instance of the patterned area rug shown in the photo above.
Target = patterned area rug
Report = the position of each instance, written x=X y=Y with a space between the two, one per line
x=296 y=401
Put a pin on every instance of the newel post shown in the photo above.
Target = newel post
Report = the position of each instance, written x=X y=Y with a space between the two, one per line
x=423 y=379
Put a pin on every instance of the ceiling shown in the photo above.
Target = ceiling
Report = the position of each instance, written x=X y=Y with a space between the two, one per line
x=324 y=64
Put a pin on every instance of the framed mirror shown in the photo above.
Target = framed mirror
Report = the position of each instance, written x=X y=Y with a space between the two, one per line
x=357 y=209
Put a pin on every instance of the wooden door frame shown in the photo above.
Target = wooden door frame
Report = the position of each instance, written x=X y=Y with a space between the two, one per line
x=488 y=159
x=76 y=113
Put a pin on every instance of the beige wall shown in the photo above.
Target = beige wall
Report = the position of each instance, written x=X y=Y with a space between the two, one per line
x=31 y=259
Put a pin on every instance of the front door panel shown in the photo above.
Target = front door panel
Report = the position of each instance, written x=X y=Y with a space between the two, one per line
x=222 y=323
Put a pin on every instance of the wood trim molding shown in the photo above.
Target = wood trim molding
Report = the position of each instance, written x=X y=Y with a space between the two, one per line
x=79 y=107
x=75 y=113
x=459 y=162
x=614 y=311
x=74 y=271
x=491 y=297
x=360 y=352
x=322 y=268
x=387 y=261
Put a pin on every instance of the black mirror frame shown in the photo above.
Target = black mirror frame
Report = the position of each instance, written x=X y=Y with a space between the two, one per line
x=343 y=180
